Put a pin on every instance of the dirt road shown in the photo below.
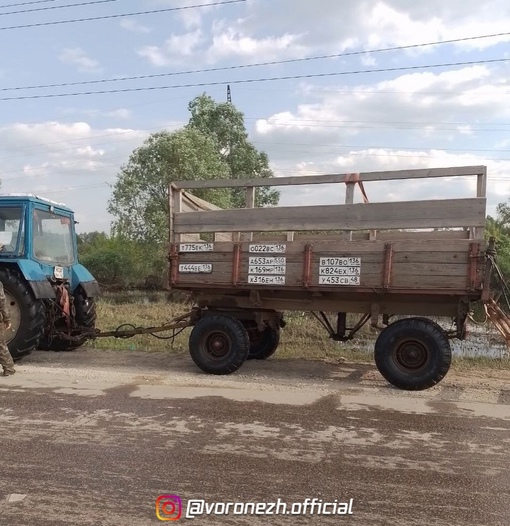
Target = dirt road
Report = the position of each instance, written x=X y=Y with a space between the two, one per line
x=93 y=438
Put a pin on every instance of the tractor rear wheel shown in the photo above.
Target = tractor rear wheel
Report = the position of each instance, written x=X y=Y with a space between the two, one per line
x=27 y=314
x=85 y=316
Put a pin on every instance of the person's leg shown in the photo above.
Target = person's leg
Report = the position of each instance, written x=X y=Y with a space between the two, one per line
x=6 y=359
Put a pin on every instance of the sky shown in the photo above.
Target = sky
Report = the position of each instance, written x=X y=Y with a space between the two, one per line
x=362 y=108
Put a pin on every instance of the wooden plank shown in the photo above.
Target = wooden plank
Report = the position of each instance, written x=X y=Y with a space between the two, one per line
x=430 y=282
x=334 y=178
x=356 y=236
x=437 y=234
x=428 y=269
x=432 y=258
x=192 y=203
x=355 y=248
x=372 y=216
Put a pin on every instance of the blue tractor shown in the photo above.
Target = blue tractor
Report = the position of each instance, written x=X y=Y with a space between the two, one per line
x=51 y=296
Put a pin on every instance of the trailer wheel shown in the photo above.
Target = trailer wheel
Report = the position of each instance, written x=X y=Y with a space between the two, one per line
x=413 y=354
x=262 y=344
x=27 y=315
x=219 y=344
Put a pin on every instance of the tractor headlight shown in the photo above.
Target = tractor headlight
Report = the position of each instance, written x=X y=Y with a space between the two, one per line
x=58 y=272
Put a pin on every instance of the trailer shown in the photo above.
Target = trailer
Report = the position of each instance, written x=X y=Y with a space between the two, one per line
x=393 y=264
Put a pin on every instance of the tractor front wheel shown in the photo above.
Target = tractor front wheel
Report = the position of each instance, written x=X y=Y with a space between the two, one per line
x=26 y=312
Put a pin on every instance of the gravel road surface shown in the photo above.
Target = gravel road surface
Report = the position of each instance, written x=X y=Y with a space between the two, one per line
x=94 y=437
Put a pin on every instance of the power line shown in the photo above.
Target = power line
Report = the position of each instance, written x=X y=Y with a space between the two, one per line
x=105 y=17
x=141 y=135
x=264 y=79
x=70 y=189
x=20 y=4
x=51 y=8
x=244 y=66
x=367 y=147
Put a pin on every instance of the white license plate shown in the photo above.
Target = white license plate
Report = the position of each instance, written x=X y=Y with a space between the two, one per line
x=272 y=269
x=196 y=247
x=278 y=260
x=195 y=268
x=340 y=262
x=339 y=271
x=266 y=280
x=267 y=248
x=339 y=280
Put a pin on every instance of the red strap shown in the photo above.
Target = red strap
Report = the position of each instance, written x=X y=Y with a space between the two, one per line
x=356 y=179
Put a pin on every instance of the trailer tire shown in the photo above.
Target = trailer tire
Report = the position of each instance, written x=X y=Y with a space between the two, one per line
x=219 y=344
x=26 y=311
x=262 y=344
x=413 y=354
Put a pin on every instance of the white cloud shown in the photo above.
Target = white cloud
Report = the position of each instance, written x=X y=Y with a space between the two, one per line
x=130 y=24
x=231 y=43
x=175 y=50
x=78 y=57
x=379 y=23
x=67 y=162
x=119 y=113
x=297 y=28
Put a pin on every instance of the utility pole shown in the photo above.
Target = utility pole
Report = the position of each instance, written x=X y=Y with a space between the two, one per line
x=229 y=96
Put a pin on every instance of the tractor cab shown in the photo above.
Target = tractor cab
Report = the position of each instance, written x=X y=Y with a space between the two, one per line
x=40 y=230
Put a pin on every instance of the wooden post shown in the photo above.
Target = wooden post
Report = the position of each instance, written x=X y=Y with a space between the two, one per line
x=481 y=191
x=250 y=203
x=170 y=214
x=176 y=207
x=349 y=200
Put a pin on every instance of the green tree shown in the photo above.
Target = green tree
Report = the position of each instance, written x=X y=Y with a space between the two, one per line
x=225 y=123
x=140 y=196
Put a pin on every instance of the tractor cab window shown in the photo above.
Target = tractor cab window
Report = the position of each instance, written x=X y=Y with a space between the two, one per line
x=52 y=238
x=11 y=225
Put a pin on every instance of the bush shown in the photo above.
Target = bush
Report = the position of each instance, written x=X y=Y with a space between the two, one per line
x=121 y=263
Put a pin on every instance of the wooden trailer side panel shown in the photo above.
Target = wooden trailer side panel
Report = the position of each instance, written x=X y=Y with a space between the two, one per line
x=404 y=266
x=368 y=248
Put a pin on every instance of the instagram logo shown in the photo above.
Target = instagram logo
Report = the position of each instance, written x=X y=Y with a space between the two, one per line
x=168 y=507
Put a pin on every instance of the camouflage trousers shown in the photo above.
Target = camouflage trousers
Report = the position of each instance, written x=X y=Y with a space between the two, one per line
x=6 y=360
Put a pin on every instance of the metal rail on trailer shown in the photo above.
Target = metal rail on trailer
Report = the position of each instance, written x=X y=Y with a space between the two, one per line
x=245 y=267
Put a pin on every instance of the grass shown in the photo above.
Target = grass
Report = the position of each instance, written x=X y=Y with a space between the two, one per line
x=302 y=338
